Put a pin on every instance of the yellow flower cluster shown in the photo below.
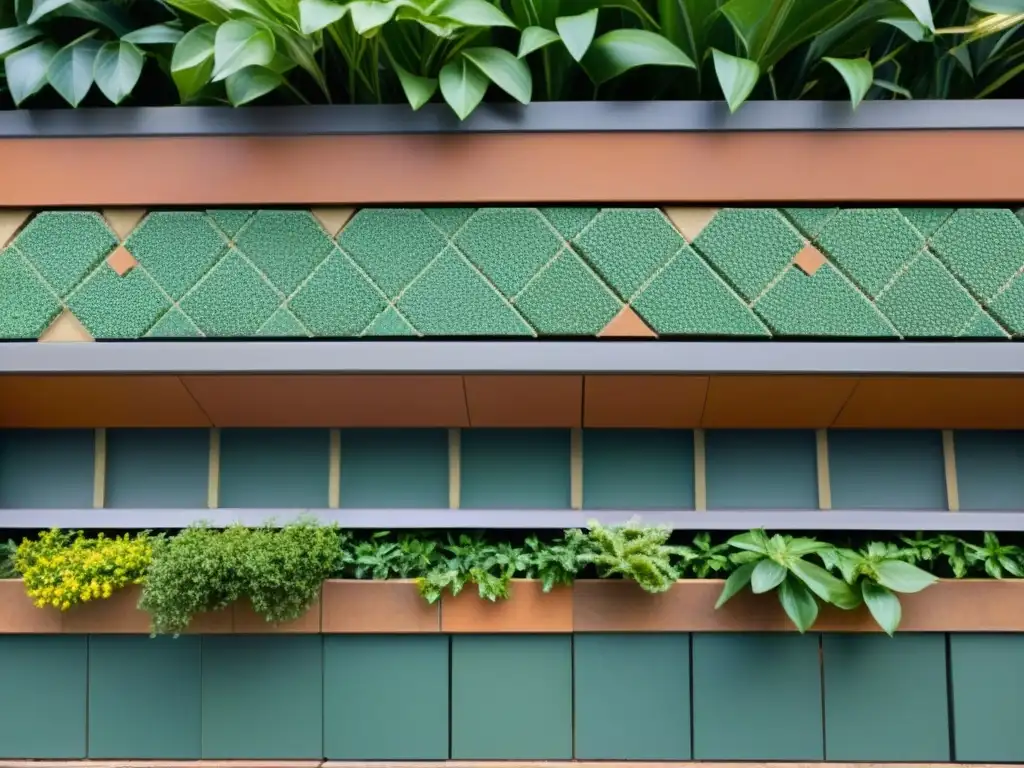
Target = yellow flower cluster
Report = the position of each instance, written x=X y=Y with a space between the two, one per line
x=62 y=569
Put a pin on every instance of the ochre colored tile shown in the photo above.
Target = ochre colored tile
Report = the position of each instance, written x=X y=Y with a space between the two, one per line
x=121 y=261
x=627 y=324
x=123 y=220
x=10 y=222
x=809 y=259
x=527 y=609
x=775 y=402
x=118 y=614
x=18 y=614
x=690 y=221
x=524 y=401
x=333 y=220
x=644 y=401
x=245 y=621
x=66 y=328
x=376 y=607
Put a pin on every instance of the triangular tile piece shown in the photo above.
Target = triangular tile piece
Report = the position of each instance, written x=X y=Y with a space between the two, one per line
x=333 y=220
x=121 y=261
x=66 y=328
x=123 y=220
x=10 y=223
x=810 y=260
x=690 y=221
x=627 y=324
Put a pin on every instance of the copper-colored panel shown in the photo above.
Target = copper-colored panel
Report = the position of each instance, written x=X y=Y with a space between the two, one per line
x=775 y=402
x=212 y=623
x=97 y=401
x=935 y=403
x=379 y=607
x=19 y=615
x=644 y=401
x=527 y=609
x=524 y=401
x=118 y=614
x=331 y=401
x=245 y=621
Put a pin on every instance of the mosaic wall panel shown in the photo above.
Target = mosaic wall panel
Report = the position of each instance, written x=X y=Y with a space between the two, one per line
x=549 y=272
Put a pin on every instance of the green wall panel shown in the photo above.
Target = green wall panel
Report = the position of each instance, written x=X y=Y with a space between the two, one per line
x=46 y=468
x=987 y=686
x=394 y=468
x=511 y=697
x=515 y=469
x=145 y=697
x=761 y=469
x=653 y=720
x=274 y=468
x=386 y=697
x=42 y=712
x=263 y=697
x=990 y=469
x=885 y=698
x=162 y=468
x=637 y=469
x=892 y=469
x=757 y=697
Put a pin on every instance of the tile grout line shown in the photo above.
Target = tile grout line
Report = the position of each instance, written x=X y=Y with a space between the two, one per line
x=334 y=471
x=99 y=469
x=824 y=473
x=213 y=478
x=454 y=468
x=700 y=473
x=949 y=466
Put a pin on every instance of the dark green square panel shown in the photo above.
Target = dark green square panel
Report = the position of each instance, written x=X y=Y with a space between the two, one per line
x=43 y=711
x=892 y=469
x=287 y=468
x=987 y=687
x=46 y=468
x=157 y=468
x=866 y=719
x=386 y=697
x=990 y=469
x=761 y=469
x=394 y=468
x=263 y=697
x=637 y=469
x=655 y=725
x=757 y=697
x=511 y=697
x=145 y=697
x=515 y=469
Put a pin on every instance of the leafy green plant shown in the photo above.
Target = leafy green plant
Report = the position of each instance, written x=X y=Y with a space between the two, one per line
x=996 y=559
x=381 y=557
x=936 y=551
x=8 y=565
x=467 y=559
x=632 y=551
x=555 y=563
x=704 y=559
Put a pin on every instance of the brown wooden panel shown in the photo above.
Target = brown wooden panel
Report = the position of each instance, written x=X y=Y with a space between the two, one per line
x=775 y=402
x=118 y=614
x=376 y=607
x=528 y=609
x=524 y=401
x=644 y=401
x=19 y=615
x=245 y=621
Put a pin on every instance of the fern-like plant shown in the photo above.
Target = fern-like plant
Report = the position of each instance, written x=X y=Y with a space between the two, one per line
x=631 y=551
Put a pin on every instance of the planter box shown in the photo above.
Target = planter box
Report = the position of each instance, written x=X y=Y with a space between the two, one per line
x=393 y=607
x=528 y=609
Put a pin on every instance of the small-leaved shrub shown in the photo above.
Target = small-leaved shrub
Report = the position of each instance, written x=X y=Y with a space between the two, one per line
x=634 y=552
x=467 y=559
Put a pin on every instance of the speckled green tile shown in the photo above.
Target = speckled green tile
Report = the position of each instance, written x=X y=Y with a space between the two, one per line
x=389 y=323
x=233 y=299
x=749 y=247
x=115 y=307
x=809 y=220
x=392 y=245
x=337 y=300
x=65 y=246
x=626 y=246
x=177 y=248
x=449 y=220
x=230 y=220
x=982 y=326
x=1008 y=306
x=283 y=324
x=569 y=221
x=925 y=300
x=826 y=304
x=452 y=299
x=174 y=325
x=286 y=246
x=27 y=306
x=983 y=247
x=870 y=245
x=568 y=299
x=688 y=298
x=927 y=220
x=509 y=245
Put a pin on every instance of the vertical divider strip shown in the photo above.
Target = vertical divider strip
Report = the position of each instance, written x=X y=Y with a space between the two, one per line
x=99 y=469
x=949 y=463
x=576 y=468
x=824 y=474
x=454 y=468
x=334 y=474
x=700 y=472
x=213 y=481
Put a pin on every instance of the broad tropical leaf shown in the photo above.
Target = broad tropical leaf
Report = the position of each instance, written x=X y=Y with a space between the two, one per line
x=504 y=70
x=26 y=70
x=798 y=603
x=117 y=69
x=736 y=76
x=192 y=62
x=621 y=50
x=241 y=44
x=71 y=70
x=577 y=32
x=250 y=83
x=883 y=605
x=535 y=38
x=463 y=86
x=858 y=75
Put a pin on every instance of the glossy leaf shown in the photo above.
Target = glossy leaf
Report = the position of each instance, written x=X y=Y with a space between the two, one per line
x=577 y=32
x=192 y=62
x=71 y=70
x=157 y=34
x=858 y=75
x=736 y=581
x=463 y=86
x=736 y=76
x=766 y=576
x=884 y=606
x=26 y=70
x=621 y=50
x=13 y=38
x=535 y=38
x=314 y=15
x=903 y=577
x=998 y=6
x=506 y=71
x=798 y=603
x=42 y=8
x=686 y=23
x=821 y=582
x=418 y=90
x=250 y=83
x=922 y=11
x=240 y=44
x=471 y=13
x=117 y=69
x=912 y=28
x=370 y=15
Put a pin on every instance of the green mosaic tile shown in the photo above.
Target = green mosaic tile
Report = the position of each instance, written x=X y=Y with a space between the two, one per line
x=509 y=245
x=626 y=246
x=569 y=221
x=174 y=325
x=982 y=326
x=283 y=324
x=27 y=306
x=826 y=304
x=286 y=246
x=177 y=248
x=688 y=298
x=983 y=247
x=452 y=299
x=337 y=300
x=389 y=323
x=925 y=300
x=233 y=299
x=65 y=246
x=568 y=299
x=230 y=221
x=1008 y=306
x=449 y=220
x=927 y=220
x=115 y=307
x=809 y=220
x=392 y=245
x=870 y=245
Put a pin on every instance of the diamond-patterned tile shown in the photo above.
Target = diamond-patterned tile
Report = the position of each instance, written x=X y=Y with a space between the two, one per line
x=65 y=246
x=926 y=301
x=389 y=323
x=230 y=220
x=1008 y=306
x=232 y=300
x=983 y=247
x=27 y=306
x=114 y=307
x=176 y=248
x=283 y=324
x=567 y=299
x=927 y=220
x=982 y=326
x=449 y=220
x=174 y=325
x=809 y=221
x=569 y=222
x=286 y=246
x=337 y=300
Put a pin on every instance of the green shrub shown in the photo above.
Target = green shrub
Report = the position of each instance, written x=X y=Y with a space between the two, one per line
x=634 y=552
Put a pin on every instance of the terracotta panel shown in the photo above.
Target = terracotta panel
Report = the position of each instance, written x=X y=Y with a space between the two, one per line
x=528 y=609
x=331 y=401
x=19 y=616
x=775 y=402
x=644 y=401
x=119 y=614
x=97 y=401
x=524 y=401
x=245 y=621
x=380 y=607
x=212 y=623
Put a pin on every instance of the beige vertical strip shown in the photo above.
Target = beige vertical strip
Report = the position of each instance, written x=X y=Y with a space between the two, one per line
x=824 y=475
x=454 y=468
x=949 y=460
x=576 y=468
x=700 y=472
x=99 y=470
x=334 y=471
x=213 y=482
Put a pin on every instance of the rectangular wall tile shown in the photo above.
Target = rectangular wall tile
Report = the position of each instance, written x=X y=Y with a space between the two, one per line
x=990 y=469
x=263 y=697
x=891 y=469
x=46 y=468
x=515 y=469
x=511 y=697
x=655 y=725
x=757 y=697
x=159 y=468
x=987 y=686
x=286 y=468
x=145 y=697
x=394 y=468
x=862 y=721
x=761 y=469
x=637 y=469
x=386 y=697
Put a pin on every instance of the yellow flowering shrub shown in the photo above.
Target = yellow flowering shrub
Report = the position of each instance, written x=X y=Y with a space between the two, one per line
x=63 y=568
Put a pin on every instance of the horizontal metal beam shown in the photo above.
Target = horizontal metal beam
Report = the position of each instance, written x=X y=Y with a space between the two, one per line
x=469 y=357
